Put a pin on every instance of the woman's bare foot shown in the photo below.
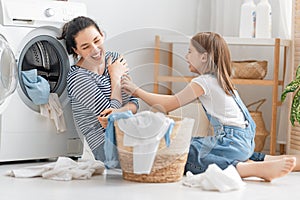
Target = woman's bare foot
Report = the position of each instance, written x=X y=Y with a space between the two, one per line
x=297 y=167
x=267 y=170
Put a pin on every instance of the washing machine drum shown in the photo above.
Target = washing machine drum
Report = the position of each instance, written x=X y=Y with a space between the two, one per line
x=41 y=54
x=8 y=71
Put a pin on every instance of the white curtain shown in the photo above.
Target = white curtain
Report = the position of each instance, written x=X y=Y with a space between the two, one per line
x=223 y=17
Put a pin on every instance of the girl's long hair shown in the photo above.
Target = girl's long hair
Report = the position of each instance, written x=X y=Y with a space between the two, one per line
x=219 y=61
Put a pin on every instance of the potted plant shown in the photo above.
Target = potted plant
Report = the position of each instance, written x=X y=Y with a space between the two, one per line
x=294 y=86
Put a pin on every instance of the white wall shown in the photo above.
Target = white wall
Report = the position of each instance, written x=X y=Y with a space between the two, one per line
x=131 y=27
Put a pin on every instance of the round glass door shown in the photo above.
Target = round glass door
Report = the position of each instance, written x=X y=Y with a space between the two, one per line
x=8 y=70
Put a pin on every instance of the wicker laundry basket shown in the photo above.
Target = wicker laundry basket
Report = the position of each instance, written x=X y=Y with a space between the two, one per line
x=169 y=162
x=249 y=69
x=261 y=131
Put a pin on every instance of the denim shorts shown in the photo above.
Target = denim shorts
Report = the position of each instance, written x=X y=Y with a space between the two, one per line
x=228 y=147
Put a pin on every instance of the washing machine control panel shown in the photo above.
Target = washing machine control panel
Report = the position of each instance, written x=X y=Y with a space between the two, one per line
x=12 y=12
x=49 y=12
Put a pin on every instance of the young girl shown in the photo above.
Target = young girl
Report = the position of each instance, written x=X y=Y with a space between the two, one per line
x=94 y=81
x=233 y=142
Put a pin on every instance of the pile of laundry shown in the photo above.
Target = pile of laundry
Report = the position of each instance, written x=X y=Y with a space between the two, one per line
x=214 y=178
x=64 y=169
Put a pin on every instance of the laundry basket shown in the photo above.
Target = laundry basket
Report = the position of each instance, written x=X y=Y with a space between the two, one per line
x=169 y=161
x=261 y=131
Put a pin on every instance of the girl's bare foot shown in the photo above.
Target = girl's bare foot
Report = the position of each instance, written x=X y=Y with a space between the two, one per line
x=297 y=167
x=267 y=170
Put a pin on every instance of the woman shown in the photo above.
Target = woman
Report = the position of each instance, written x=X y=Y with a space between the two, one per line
x=94 y=81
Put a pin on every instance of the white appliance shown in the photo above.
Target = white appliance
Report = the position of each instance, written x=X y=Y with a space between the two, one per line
x=24 y=133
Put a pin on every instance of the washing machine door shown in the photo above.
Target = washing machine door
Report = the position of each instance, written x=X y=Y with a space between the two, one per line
x=8 y=70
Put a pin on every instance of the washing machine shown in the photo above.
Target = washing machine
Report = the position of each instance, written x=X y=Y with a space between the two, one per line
x=28 y=32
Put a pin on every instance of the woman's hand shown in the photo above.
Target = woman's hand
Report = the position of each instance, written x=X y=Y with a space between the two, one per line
x=117 y=69
x=103 y=117
x=127 y=85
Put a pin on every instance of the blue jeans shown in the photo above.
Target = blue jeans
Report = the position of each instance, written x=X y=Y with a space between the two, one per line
x=228 y=146
x=99 y=153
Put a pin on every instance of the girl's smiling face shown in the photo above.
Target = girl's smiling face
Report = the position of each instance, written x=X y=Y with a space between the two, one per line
x=89 y=45
x=195 y=59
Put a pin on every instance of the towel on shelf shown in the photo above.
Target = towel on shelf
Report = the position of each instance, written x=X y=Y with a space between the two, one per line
x=53 y=110
x=37 y=88
x=214 y=178
x=64 y=169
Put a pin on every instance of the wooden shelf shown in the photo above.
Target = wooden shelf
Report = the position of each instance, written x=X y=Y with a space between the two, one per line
x=235 y=81
x=175 y=39
x=275 y=43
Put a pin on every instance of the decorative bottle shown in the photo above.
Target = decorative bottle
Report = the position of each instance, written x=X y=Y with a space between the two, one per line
x=247 y=20
x=263 y=20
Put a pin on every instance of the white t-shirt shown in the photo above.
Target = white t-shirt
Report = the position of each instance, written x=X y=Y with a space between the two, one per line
x=217 y=103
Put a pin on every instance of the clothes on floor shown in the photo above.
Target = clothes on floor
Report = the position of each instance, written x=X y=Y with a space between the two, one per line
x=216 y=179
x=64 y=169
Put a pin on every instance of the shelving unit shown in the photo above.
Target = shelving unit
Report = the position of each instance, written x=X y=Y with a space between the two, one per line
x=275 y=82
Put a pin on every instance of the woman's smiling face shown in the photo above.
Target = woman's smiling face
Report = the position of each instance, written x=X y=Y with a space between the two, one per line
x=89 y=45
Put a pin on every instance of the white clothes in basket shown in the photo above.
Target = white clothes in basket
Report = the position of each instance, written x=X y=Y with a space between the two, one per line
x=143 y=132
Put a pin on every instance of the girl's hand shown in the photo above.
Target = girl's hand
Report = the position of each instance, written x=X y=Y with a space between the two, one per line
x=127 y=85
x=118 y=68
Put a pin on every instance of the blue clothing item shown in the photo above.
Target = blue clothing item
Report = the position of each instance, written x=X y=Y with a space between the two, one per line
x=258 y=156
x=37 y=88
x=168 y=133
x=99 y=153
x=228 y=146
x=110 y=150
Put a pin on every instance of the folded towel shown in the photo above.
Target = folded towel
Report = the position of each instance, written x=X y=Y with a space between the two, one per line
x=37 y=88
x=53 y=110
x=64 y=169
x=214 y=178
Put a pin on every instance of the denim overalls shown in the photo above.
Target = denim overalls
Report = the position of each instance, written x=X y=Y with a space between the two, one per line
x=228 y=146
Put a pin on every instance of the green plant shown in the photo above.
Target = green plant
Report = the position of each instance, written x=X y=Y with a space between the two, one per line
x=294 y=86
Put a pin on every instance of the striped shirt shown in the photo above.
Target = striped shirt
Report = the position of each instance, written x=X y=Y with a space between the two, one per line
x=89 y=95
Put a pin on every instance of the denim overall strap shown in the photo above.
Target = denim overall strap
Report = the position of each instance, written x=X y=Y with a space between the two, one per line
x=245 y=111
x=215 y=123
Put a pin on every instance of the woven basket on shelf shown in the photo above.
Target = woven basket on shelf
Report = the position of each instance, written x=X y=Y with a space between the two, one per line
x=249 y=69
x=261 y=131
x=169 y=162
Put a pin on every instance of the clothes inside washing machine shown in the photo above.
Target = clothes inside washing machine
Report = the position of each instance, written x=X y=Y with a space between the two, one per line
x=43 y=57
